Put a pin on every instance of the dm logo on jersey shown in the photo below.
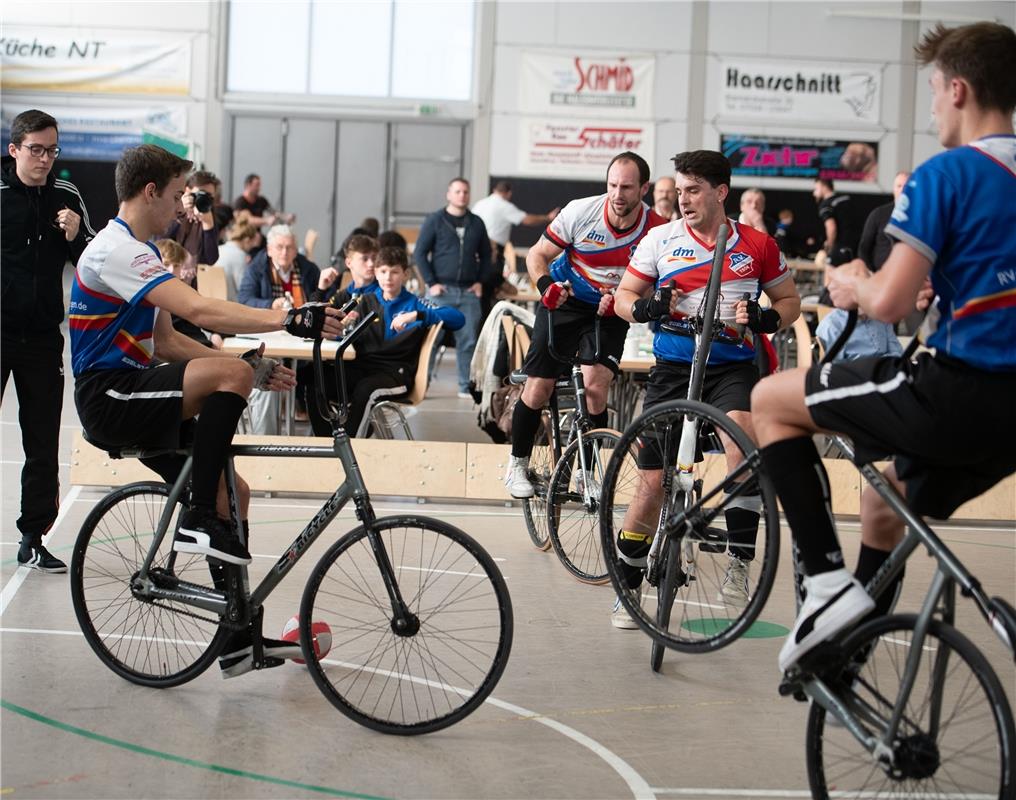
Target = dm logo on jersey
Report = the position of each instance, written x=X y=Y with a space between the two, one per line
x=685 y=254
x=594 y=238
x=740 y=263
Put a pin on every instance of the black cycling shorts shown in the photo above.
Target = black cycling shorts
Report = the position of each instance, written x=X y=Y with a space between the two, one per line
x=952 y=428
x=574 y=334
x=726 y=387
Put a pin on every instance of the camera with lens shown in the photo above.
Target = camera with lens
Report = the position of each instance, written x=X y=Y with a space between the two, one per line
x=203 y=201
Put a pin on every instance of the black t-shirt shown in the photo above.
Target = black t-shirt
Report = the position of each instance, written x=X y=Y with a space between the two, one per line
x=839 y=208
x=257 y=208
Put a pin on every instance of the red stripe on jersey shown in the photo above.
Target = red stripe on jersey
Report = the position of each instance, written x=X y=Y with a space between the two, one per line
x=83 y=322
x=618 y=234
x=986 y=154
x=639 y=275
x=98 y=295
x=992 y=302
x=129 y=345
x=554 y=238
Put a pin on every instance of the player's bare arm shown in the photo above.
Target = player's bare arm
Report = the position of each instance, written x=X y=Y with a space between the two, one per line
x=539 y=258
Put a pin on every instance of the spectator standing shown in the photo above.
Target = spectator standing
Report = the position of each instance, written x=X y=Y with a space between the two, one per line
x=499 y=213
x=194 y=226
x=876 y=244
x=665 y=198
x=453 y=254
x=44 y=224
x=837 y=214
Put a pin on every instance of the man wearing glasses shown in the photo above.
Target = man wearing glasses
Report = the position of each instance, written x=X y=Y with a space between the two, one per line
x=44 y=224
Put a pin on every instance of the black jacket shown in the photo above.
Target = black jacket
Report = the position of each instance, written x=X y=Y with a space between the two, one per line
x=443 y=258
x=876 y=244
x=34 y=252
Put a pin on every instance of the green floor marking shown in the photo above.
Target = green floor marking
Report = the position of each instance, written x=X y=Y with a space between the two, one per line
x=711 y=627
x=240 y=773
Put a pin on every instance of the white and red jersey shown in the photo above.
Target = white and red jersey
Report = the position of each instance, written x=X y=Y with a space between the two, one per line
x=595 y=252
x=673 y=252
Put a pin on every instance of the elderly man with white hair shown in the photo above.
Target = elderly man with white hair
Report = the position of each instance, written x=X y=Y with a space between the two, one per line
x=279 y=277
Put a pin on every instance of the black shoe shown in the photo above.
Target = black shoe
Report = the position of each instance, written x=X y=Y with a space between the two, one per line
x=35 y=556
x=202 y=532
x=238 y=655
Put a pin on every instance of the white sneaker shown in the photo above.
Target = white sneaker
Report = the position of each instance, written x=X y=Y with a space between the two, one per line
x=581 y=482
x=516 y=478
x=620 y=618
x=835 y=601
x=734 y=589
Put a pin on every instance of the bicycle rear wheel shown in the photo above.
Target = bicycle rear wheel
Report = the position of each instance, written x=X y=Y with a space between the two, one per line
x=573 y=503
x=423 y=680
x=153 y=644
x=727 y=557
x=541 y=467
x=955 y=738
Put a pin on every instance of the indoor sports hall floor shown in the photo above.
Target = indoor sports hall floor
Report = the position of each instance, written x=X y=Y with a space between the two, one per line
x=577 y=714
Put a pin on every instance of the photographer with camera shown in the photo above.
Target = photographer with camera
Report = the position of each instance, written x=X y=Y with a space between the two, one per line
x=195 y=227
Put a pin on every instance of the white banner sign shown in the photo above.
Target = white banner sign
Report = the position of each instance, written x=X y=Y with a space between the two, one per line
x=100 y=133
x=595 y=84
x=84 y=60
x=802 y=92
x=563 y=148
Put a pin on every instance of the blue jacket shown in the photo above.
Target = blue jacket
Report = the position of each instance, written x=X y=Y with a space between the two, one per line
x=443 y=258
x=256 y=287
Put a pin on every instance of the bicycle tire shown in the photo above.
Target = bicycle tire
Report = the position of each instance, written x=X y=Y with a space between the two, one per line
x=541 y=467
x=702 y=594
x=572 y=525
x=876 y=654
x=666 y=593
x=152 y=645
x=413 y=684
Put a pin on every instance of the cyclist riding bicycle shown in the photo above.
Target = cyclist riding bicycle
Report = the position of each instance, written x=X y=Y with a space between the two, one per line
x=948 y=417
x=675 y=260
x=576 y=265
x=122 y=302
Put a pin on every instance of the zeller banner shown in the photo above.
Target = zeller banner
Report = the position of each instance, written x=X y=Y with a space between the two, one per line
x=785 y=157
x=592 y=83
x=83 y=60
x=803 y=92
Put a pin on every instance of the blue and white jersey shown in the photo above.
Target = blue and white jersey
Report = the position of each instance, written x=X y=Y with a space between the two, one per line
x=111 y=321
x=673 y=253
x=959 y=211
x=595 y=252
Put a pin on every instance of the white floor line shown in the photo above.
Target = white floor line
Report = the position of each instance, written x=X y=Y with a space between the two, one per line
x=21 y=462
x=690 y=792
x=21 y=573
x=639 y=787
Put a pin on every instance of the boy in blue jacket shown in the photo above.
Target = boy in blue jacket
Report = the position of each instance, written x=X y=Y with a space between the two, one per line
x=388 y=351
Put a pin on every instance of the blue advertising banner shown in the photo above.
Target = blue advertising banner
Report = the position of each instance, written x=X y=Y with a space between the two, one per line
x=798 y=157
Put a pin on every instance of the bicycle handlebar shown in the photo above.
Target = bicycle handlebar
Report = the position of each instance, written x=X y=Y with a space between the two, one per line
x=340 y=378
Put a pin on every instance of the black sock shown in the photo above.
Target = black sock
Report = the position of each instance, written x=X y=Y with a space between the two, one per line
x=525 y=424
x=212 y=437
x=802 y=485
x=599 y=420
x=742 y=531
x=869 y=561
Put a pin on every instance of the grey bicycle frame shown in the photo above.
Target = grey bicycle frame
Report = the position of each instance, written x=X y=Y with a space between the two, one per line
x=351 y=488
x=941 y=599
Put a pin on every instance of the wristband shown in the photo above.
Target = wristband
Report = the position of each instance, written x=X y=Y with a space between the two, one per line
x=543 y=282
x=650 y=309
x=762 y=320
x=306 y=321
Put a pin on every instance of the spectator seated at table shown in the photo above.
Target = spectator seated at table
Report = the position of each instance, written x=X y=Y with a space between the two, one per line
x=234 y=256
x=870 y=337
x=388 y=352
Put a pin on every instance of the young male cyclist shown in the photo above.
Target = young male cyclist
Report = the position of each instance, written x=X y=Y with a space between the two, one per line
x=948 y=417
x=668 y=277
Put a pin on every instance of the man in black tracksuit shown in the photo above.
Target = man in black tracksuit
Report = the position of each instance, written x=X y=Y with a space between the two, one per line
x=44 y=223
x=454 y=257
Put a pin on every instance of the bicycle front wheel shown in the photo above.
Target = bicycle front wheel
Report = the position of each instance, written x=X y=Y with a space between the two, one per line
x=159 y=643
x=955 y=738
x=421 y=680
x=729 y=536
x=541 y=467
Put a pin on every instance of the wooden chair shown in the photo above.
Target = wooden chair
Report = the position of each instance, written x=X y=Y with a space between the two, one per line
x=410 y=234
x=518 y=340
x=802 y=334
x=212 y=282
x=378 y=409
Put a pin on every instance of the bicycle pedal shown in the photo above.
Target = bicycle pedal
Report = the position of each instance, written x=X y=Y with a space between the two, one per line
x=790 y=686
x=712 y=540
x=268 y=662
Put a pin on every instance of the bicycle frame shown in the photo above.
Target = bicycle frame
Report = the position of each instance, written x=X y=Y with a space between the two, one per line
x=352 y=488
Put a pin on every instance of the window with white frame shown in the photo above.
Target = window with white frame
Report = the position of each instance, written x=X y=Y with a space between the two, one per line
x=356 y=48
